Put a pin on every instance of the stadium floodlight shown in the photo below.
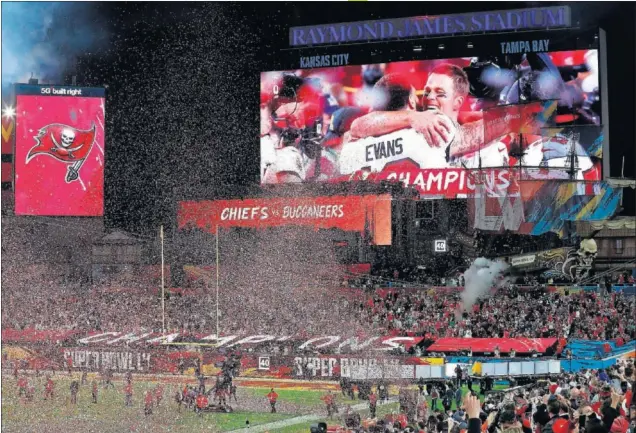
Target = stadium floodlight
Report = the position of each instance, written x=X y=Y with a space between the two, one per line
x=8 y=111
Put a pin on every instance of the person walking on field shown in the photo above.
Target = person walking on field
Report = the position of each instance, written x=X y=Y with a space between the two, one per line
x=74 y=391
x=48 y=388
x=330 y=403
x=272 y=396
x=148 y=403
x=94 y=390
x=202 y=403
x=22 y=386
x=178 y=398
x=233 y=392
x=128 y=392
x=373 y=402
x=458 y=397
x=434 y=397
x=159 y=394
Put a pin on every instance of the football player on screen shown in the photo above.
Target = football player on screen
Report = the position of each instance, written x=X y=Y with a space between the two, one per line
x=393 y=93
x=444 y=94
x=291 y=128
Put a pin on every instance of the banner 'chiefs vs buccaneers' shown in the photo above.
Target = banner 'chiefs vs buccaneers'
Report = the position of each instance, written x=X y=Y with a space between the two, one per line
x=59 y=154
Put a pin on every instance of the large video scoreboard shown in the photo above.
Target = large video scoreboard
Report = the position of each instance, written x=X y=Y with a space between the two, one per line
x=432 y=112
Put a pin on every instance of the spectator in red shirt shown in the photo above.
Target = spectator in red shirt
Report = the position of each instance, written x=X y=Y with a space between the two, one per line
x=272 y=396
x=402 y=420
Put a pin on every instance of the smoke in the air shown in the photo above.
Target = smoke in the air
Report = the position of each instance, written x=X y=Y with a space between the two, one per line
x=482 y=275
x=44 y=39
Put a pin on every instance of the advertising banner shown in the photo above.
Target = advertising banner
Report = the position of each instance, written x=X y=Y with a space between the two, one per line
x=348 y=213
x=59 y=153
x=165 y=360
x=427 y=122
x=536 y=207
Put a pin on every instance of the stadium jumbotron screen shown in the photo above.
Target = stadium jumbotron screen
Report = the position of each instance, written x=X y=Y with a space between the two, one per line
x=428 y=122
x=59 y=154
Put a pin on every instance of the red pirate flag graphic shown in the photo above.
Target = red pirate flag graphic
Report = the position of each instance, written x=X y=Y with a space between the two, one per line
x=65 y=144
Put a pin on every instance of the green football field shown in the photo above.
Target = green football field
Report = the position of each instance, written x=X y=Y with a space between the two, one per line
x=111 y=415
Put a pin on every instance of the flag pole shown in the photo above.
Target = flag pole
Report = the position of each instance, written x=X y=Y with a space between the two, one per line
x=163 y=296
x=217 y=280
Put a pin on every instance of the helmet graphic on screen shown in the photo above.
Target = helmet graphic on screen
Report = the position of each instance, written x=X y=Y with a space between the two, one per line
x=66 y=144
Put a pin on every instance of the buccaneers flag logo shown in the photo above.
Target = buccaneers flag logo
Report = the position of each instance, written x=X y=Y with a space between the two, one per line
x=65 y=144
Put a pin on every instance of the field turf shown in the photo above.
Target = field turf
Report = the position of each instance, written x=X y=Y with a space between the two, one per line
x=111 y=415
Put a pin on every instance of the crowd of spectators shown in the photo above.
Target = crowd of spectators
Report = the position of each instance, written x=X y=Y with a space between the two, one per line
x=430 y=313
x=294 y=294
x=508 y=313
x=590 y=401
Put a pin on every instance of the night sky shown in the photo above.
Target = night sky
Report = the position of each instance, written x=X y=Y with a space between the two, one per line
x=183 y=88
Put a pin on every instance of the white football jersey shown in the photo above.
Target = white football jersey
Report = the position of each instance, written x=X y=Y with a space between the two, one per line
x=374 y=153
x=268 y=154
x=279 y=160
x=494 y=154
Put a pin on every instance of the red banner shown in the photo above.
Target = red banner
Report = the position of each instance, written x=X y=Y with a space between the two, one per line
x=350 y=213
x=481 y=345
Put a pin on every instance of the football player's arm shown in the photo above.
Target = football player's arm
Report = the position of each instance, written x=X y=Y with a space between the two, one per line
x=379 y=123
x=430 y=124
x=471 y=137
